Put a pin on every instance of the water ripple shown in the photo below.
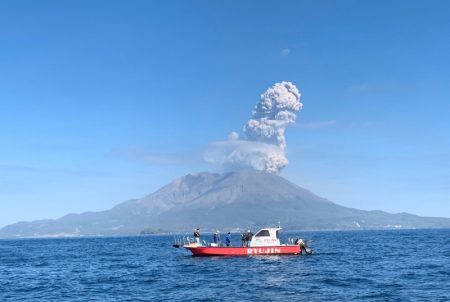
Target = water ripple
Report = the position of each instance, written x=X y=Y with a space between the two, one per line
x=399 y=265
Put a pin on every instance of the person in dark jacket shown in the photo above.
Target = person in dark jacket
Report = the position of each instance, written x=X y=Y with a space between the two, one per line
x=197 y=235
x=244 y=239
x=248 y=237
x=228 y=239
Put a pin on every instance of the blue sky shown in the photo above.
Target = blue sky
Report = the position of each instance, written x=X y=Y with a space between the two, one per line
x=103 y=101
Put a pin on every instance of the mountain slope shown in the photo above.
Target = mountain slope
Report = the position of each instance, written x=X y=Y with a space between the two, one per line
x=231 y=200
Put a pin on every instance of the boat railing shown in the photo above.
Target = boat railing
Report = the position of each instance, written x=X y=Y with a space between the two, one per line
x=182 y=240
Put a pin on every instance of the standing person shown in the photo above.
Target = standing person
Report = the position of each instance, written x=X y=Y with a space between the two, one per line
x=197 y=236
x=228 y=239
x=249 y=237
x=244 y=239
x=216 y=237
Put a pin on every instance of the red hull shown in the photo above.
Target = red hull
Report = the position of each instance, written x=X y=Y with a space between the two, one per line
x=245 y=251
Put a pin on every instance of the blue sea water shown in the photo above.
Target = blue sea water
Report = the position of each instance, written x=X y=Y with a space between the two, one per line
x=402 y=265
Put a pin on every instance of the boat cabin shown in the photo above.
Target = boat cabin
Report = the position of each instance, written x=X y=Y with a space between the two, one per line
x=266 y=237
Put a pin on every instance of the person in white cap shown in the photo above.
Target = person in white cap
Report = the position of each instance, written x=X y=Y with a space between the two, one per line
x=216 y=237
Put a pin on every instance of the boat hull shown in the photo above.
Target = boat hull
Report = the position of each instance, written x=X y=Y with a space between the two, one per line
x=244 y=251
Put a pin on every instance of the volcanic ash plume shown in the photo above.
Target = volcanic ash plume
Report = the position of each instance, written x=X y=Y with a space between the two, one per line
x=277 y=108
x=265 y=143
x=241 y=154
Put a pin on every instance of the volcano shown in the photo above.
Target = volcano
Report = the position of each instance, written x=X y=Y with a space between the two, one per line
x=229 y=201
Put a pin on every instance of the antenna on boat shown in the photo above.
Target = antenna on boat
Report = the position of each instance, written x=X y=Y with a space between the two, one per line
x=279 y=224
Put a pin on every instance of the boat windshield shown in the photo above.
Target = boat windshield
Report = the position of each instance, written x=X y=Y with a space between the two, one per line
x=263 y=233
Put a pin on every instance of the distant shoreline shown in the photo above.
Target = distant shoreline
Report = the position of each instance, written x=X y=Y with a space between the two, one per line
x=210 y=233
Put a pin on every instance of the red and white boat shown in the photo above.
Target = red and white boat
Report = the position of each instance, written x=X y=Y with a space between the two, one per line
x=265 y=242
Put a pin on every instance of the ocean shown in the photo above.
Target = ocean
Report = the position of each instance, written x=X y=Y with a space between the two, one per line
x=392 y=265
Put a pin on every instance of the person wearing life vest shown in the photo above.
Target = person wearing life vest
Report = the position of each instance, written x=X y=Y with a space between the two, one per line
x=228 y=239
x=197 y=235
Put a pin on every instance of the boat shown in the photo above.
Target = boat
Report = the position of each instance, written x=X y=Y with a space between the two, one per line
x=265 y=242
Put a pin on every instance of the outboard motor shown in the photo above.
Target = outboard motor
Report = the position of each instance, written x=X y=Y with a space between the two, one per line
x=304 y=246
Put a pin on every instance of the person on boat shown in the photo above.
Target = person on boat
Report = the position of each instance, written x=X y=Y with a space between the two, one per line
x=197 y=235
x=228 y=239
x=249 y=237
x=244 y=239
x=216 y=237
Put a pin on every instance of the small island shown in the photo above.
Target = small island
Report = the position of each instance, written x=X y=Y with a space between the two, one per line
x=152 y=231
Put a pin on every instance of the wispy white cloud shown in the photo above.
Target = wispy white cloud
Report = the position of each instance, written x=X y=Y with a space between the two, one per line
x=378 y=87
x=285 y=52
x=361 y=88
x=318 y=124
x=31 y=169
x=143 y=155
x=371 y=124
